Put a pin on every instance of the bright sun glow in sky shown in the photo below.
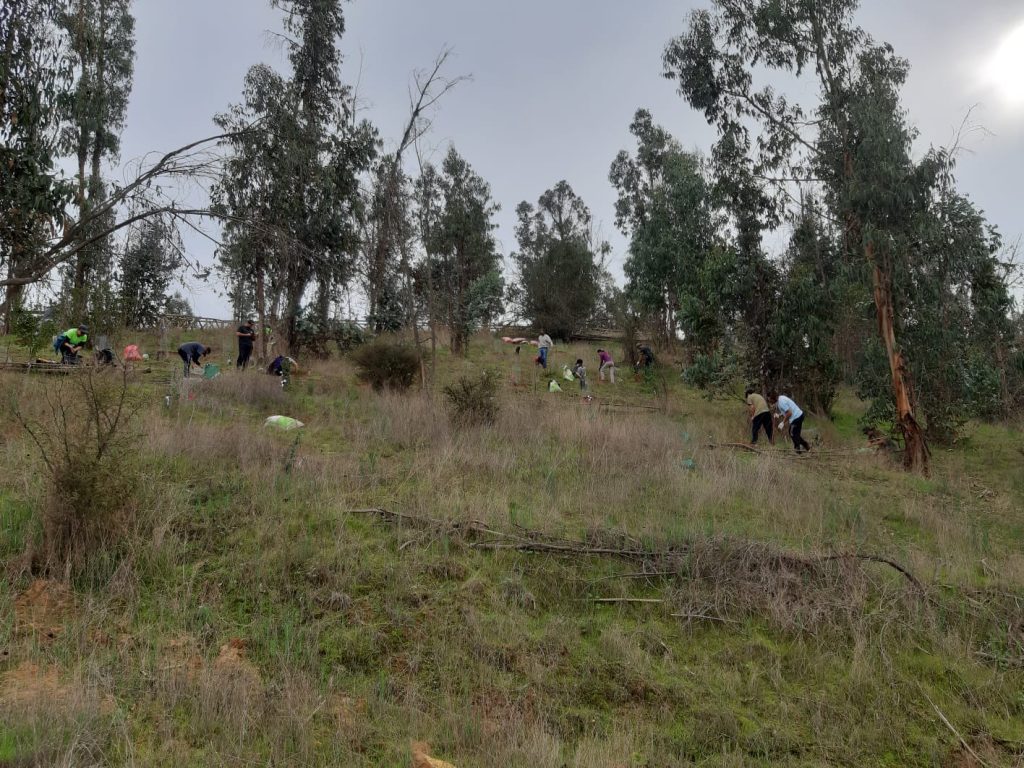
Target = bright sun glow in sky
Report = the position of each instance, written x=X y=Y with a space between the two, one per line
x=1004 y=71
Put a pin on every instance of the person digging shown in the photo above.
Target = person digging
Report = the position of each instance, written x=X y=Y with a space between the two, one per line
x=192 y=353
x=70 y=343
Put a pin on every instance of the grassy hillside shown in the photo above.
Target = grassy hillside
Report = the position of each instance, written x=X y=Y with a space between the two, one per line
x=581 y=584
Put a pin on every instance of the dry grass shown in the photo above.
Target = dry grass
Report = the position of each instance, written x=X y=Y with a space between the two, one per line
x=248 y=620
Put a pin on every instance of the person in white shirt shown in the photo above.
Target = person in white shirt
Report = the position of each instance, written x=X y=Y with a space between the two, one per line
x=791 y=416
x=544 y=343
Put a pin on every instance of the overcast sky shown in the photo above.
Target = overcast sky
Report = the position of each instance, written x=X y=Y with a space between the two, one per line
x=556 y=82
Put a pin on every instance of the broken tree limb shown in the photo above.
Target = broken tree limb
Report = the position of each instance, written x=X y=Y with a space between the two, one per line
x=705 y=617
x=955 y=732
x=740 y=446
x=877 y=559
x=563 y=549
x=626 y=600
x=541 y=543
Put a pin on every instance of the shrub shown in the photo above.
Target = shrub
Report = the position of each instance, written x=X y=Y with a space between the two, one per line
x=387 y=365
x=315 y=338
x=87 y=441
x=31 y=330
x=473 y=399
x=715 y=373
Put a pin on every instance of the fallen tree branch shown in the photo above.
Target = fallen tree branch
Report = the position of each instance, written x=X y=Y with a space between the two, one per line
x=955 y=732
x=564 y=549
x=705 y=617
x=627 y=600
x=741 y=446
x=877 y=559
x=538 y=542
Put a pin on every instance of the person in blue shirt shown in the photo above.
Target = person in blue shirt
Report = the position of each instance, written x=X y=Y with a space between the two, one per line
x=792 y=417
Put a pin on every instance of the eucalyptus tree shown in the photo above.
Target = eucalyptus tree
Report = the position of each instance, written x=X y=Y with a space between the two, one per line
x=665 y=207
x=101 y=35
x=559 y=265
x=802 y=334
x=461 y=274
x=146 y=268
x=854 y=141
x=291 y=185
x=35 y=76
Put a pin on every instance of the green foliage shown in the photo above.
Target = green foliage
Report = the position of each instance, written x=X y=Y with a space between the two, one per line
x=101 y=42
x=908 y=238
x=31 y=329
x=147 y=267
x=559 y=280
x=388 y=232
x=804 y=325
x=291 y=184
x=473 y=400
x=315 y=337
x=664 y=207
x=35 y=77
x=716 y=373
x=385 y=364
x=176 y=304
x=461 y=278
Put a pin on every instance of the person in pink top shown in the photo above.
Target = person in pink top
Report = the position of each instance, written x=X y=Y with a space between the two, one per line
x=605 y=364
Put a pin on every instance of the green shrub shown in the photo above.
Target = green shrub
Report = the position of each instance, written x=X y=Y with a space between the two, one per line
x=30 y=329
x=714 y=373
x=387 y=365
x=315 y=338
x=473 y=399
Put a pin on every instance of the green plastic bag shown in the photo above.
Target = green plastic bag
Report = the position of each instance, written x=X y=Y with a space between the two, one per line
x=553 y=386
x=567 y=374
x=211 y=371
x=283 y=422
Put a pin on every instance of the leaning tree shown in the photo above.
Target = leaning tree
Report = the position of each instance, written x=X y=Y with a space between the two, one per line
x=854 y=142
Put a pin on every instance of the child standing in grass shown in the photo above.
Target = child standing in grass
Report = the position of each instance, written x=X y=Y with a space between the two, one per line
x=580 y=371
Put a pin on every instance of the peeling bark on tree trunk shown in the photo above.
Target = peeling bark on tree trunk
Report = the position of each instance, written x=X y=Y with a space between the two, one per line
x=915 y=456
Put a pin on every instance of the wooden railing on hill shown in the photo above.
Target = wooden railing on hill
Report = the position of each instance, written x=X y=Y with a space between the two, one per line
x=191 y=322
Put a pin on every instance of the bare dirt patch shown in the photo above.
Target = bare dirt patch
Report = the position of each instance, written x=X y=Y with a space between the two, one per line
x=43 y=609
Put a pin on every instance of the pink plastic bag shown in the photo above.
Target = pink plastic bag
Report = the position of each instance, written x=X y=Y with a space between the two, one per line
x=132 y=354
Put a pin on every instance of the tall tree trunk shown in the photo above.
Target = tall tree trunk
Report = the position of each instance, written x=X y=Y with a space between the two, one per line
x=915 y=456
x=261 y=310
x=293 y=303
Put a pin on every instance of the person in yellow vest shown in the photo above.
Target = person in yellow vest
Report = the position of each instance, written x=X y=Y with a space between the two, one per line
x=69 y=343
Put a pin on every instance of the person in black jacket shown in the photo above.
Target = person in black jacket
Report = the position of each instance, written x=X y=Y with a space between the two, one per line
x=246 y=339
x=192 y=352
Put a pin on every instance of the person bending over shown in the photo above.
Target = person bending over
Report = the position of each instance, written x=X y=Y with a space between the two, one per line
x=760 y=417
x=69 y=343
x=792 y=417
x=191 y=353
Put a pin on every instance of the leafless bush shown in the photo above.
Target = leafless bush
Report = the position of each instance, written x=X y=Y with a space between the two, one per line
x=473 y=400
x=86 y=436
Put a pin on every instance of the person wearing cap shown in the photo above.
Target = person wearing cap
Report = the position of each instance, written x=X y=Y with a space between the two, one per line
x=70 y=342
x=191 y=353
x=246 y=334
